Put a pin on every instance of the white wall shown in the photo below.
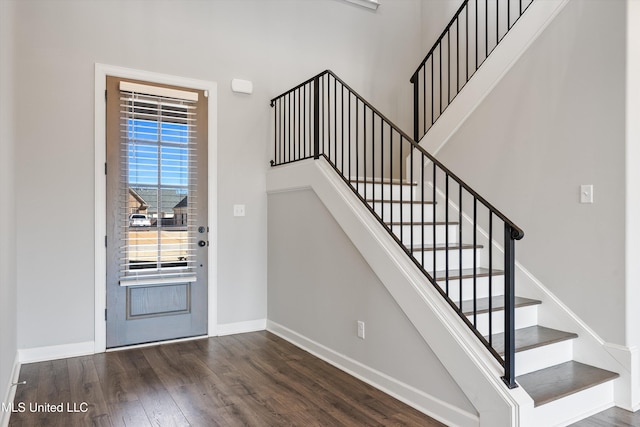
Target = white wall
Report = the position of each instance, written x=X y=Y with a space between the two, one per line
x=557 y=120
x=8 y=299
x=320 y=286
x=274 y=43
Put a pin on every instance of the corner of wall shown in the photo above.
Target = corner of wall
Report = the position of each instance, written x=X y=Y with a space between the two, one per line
x=6 y=404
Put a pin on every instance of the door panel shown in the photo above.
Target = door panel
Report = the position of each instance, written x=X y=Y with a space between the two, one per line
x=156 y=213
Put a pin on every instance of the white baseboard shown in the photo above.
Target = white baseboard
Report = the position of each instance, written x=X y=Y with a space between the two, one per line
x=242 y=327
x=53 y=352
x=423 y=402
x=10 y=393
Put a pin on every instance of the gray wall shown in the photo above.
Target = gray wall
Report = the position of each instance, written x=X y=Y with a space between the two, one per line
x=8 y=299
x=274 y=43
x=554 y=122
x=320 y=286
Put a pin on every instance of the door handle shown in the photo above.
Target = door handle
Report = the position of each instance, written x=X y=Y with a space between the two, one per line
x=202 y=243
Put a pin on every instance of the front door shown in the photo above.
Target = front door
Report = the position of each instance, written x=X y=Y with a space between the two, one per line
x=156 y=212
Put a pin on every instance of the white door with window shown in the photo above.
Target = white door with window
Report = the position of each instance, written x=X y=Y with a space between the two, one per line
x=157 y=231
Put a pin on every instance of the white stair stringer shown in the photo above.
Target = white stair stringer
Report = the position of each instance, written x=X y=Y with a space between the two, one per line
x=476 y=372
x=529 y=26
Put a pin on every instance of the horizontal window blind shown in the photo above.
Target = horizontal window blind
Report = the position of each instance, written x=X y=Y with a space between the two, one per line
x=158 y=183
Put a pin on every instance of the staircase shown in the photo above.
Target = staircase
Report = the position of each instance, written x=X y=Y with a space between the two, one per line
x=459 y=242
x=561 y=388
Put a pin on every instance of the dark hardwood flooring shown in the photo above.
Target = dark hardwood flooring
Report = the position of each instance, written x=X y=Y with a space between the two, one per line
x=254 y=379
x=613 y=417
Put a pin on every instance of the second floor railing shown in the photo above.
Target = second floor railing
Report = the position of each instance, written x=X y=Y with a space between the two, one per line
x=436 y=222
x=473 y=33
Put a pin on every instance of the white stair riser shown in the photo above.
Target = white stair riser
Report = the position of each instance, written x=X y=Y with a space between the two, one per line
x=428 y=233
x=572 y=408
x=525 y=317
x=384 y=191
x=402 y=211
x=543 y=357
x=453 y=259
x=482 y=287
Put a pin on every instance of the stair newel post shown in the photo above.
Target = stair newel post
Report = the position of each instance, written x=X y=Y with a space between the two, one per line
x=316 y=117
x=509 y=307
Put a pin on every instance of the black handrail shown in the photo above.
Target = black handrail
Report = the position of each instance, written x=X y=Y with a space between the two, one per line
x=450 y=64
x=325 y=117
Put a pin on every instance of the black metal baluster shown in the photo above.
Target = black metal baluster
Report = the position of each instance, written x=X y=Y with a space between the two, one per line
x=300 y=156
x=391 y=175
x=275 y=133
x=410 y=193
x=497 y=24
x=316 y=118
x=475 y=261
x=357 y=146
x=342 y=129
x=440 y=76
x=466 y=49
x=416 y=113
x=401 y=192
x=433 y=220
x=349 y=137
x=364 y=149
x=381 y=164
x=457 y=56
x=422 y=205
x=304 y=121
x=373 y=156
x=448 y=68
x=335 y=122
x=424 y=101
x=490 y=277
x=446 y=232
x=486 y=29
x=460 y=241
x=433 y=96
x=509 y=307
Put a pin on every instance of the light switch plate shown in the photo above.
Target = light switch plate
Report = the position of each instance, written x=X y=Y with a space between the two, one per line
x=238 y=210
x=586 y=193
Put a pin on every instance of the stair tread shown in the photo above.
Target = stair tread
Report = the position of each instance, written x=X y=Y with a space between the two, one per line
x=467 y=273
x=497 y=304
x=382 y=181
x=442 y=246
x=556 y=382
x=532 y=337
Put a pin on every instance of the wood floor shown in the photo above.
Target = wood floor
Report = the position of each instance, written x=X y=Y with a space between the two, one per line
x=254 y=379
x=613 y=417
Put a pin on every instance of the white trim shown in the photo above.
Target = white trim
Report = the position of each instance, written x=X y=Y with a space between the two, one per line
x=370 y=4
x=159 y=91
x=242 y=327
x=53 y=352
x=101 y=73
x=417 y=399
x=152 y=344
x=11 y=392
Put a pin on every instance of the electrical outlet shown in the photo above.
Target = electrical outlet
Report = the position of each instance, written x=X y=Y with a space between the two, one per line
x=238 y=210
x=586 y=193
x=360 y=329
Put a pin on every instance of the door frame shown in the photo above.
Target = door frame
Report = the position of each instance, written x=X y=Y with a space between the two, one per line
x=100 y=227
